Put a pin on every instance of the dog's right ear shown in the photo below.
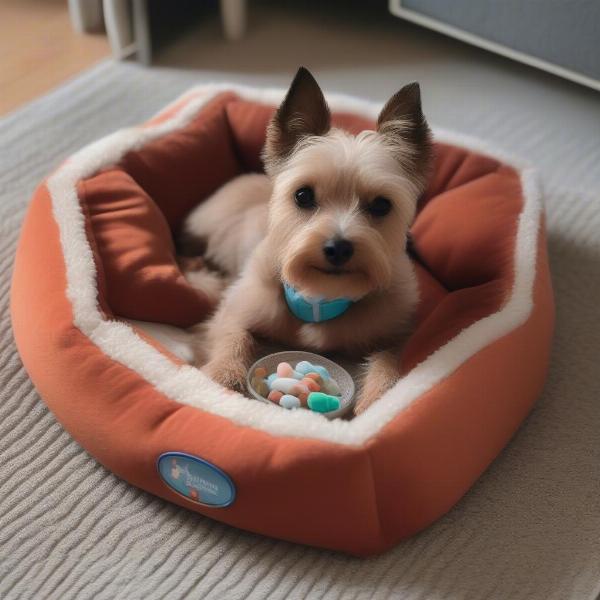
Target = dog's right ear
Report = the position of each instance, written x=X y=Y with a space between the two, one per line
x=302 y=113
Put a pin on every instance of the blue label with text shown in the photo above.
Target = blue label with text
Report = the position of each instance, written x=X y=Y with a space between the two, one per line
x=196 y=479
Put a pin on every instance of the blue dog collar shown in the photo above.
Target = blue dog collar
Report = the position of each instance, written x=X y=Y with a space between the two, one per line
x=314 y=310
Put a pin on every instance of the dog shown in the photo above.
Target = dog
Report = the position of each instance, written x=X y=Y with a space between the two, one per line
x=315 y=249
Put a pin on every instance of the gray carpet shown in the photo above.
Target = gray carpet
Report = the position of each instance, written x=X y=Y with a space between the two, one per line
x=530 y=528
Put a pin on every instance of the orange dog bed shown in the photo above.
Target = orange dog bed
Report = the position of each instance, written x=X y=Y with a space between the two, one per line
x=97 y=246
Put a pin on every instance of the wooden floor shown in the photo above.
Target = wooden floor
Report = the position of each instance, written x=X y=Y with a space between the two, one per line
x=39 y=49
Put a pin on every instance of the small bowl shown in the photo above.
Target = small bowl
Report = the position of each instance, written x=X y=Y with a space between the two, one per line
x=343 y=378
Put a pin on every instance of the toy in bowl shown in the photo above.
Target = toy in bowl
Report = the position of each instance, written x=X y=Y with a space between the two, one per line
x=296 y=379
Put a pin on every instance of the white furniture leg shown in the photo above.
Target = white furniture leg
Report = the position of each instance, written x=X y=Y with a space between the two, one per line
x=233 y=16
x=141 y=31
x=86 y=15
x=128 y=27
x=119 y=29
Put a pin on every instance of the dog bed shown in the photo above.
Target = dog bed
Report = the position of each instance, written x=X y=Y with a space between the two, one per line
x=96 y=247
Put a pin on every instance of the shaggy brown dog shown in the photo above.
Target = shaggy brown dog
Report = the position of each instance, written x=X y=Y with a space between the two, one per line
x=330 y=219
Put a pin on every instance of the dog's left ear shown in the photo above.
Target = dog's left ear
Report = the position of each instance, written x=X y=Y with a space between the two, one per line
x=302 y=113
x=403 y=124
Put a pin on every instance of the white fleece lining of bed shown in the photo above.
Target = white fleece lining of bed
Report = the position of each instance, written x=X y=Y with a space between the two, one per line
x=188 y=385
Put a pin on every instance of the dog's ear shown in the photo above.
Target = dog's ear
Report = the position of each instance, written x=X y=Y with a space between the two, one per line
x=403 y=124
x=302 y=113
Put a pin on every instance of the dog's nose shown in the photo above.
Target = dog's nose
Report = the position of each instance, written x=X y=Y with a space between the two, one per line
x=338 y=251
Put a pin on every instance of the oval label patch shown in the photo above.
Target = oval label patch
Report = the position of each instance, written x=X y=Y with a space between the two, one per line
x=196 y=479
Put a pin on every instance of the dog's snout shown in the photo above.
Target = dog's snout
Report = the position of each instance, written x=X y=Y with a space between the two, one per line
x=338 y=251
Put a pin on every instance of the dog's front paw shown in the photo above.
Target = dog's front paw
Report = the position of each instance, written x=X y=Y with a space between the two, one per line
x=230 y=374
x=380 y=375
x=369 y=394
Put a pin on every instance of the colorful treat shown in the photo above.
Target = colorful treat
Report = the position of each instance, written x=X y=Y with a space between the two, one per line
x=285 y=370
x=260 y=372
x=289 y=401
x=322 y=371
x=304 y=367
x=270 y=379
x=260 y=386
x=289 y=385
x=316 y=377
x=275 y=396
x=311 y=384
x=330 y=386
x=320 y=402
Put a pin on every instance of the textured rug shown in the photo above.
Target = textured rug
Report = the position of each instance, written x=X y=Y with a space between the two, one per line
x=529 y=528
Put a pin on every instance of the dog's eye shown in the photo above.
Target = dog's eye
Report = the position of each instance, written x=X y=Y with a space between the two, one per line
x=379 y=207
x=305 y=197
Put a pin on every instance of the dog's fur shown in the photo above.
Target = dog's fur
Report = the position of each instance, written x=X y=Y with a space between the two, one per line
x=253 y=231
